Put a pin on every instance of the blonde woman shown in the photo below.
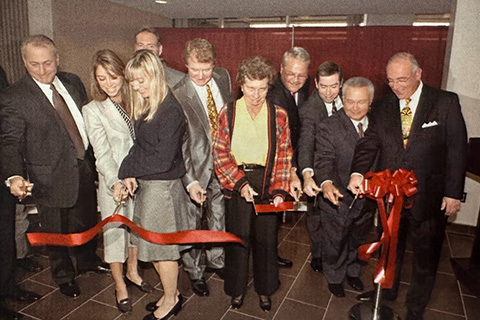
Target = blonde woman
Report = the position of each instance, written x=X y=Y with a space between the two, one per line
x=155 y=165
x=110 y=131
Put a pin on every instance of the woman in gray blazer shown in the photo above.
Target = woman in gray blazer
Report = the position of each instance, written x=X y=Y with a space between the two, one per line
x=110 y=131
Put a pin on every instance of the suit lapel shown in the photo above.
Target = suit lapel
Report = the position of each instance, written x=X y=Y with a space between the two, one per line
x=423 y=109
x=221 y=86
x=72 y=91
x=196 y=106
x=43 y=105
x=111 y=113
x=350 y=130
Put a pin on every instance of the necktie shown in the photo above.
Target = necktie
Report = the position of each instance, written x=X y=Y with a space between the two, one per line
x=334 y=108
x=294 y=95
x=212 y=112
x=407 y=118
x=62 y=109
x=361 y=134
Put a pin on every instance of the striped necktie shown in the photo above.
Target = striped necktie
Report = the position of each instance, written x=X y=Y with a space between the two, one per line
x=334 y=107
x=407 y=118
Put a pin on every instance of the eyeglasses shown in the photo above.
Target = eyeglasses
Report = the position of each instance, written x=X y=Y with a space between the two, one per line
x=398 y=80
x=291 y=75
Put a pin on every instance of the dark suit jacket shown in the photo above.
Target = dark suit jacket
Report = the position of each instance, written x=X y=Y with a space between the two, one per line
x=279 y=95
x=198 y=143
x=35 y=142
x=335 y=141
x=436 y=149
x=156 y=153
x=312 y=112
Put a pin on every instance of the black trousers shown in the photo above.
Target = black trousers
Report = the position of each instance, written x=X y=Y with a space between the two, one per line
x=7 y=241
x=427 y=240
x=259 y=233
x=82 y=216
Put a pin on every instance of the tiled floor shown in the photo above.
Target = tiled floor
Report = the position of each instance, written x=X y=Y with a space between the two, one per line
x=303 y=294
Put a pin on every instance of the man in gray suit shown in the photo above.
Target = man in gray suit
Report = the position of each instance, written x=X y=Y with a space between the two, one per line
x=345 y=224
x=202 y=93
x=321 y=104
x=148 y=38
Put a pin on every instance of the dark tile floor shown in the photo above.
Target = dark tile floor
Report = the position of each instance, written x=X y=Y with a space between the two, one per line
x=303 y=294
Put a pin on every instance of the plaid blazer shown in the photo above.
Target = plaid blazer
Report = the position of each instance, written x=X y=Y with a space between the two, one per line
x=277 y=166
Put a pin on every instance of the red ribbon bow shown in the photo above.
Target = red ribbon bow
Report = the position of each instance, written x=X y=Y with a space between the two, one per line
x=181 y=237
x=394 y=187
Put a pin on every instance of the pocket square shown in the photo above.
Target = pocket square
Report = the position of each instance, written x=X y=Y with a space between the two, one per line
x=429 y=124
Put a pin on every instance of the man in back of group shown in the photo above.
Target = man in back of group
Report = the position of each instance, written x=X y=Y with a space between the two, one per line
x=289 y=91
x=202 y=93
x=322 y=103
x=149 y=39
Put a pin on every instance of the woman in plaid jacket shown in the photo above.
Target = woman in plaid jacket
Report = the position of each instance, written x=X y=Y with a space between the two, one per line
x=252 y=163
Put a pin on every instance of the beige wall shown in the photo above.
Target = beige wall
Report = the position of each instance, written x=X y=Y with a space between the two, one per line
x=81 y=27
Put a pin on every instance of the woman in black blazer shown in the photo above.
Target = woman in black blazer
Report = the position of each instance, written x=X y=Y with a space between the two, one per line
x=155 y=165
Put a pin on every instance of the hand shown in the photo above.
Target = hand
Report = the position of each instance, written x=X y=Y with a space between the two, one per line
x=355 y=184
x=248 y=193
x=331 y=193
x=120 y=192
x=131 y=184
x=295 y=186
x=450 y=205
x=197 y=193
x=20 y=188
x=309 y=185
x=277 y=200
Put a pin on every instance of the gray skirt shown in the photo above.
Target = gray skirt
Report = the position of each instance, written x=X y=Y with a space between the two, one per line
x=159 y=205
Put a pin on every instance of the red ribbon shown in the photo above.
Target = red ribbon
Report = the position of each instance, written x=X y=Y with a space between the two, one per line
x=394 y=187
x=181 y=237
x=265 y=208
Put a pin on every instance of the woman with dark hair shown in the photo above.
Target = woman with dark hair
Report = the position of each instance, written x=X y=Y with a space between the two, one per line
x=155 y=164
x=252 y=155
x=110 y=131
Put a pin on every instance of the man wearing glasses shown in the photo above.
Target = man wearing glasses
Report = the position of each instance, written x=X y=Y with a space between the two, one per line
x=418 y=128
x=290 y=91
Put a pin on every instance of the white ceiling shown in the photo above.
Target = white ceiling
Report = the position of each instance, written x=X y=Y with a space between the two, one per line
x=184 y=9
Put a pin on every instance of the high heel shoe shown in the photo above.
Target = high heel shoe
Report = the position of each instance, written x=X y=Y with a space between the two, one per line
x=265 y=302
x=123 y=305
x=237 y=302
x=144 y=286
x=152 y=306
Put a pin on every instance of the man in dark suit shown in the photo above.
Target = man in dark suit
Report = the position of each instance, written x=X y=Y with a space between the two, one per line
x=422 y=129
x=321 y=104
x=45 y=153
x=148 y=38
x=344 y=228
x=290 y=91
x=8 y=286
x=202 y=93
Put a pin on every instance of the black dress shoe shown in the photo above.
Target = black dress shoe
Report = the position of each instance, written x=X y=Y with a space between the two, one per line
x=200 y=288
x=265 y=302
x=175 y=310
x=355 y=283
x=8 y=314
x=284 y=263
x=123 y=305
x=152 y=306
x=29 y=264
x=99 y=268
x=316 y=264
x=369 y=296
x=413 y=315
x=144 y=286
x=70 y=289
x=237 y=302
x=25 y=295
x=336 y=289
